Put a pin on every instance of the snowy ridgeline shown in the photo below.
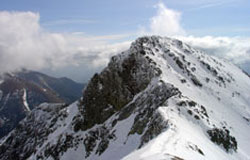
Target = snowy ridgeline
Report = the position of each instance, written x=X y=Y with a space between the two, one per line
x=161 y=99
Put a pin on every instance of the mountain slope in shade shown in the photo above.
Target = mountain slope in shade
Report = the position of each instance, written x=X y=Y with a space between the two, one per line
x=20 y=92
x=160 y=99
x=66 y=89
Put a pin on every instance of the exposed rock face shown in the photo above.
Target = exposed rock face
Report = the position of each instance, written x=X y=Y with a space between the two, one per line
x=147 y=122
x=34 y=130
x=160 y=98
x=125 y=76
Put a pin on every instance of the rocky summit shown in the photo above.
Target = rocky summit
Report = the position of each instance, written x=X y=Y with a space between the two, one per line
x=160 y=99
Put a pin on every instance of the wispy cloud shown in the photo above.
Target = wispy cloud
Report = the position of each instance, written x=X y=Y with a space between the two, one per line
x=68 y=21
x=211 y=3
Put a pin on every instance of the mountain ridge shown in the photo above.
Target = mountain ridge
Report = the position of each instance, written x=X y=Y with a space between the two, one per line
x=159 y=99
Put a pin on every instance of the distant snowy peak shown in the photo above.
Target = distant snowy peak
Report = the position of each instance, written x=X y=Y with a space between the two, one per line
x=160 y=99
x=21 y=91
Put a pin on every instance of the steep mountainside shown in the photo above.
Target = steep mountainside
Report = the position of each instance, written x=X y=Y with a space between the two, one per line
x=21 y=92
x=160 y=99
x=66 y=89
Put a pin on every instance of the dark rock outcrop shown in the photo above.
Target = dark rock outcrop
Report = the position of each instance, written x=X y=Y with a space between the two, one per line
x=109 y=91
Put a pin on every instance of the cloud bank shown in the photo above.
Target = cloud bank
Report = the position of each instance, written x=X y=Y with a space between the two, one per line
x=25 y=44
x=235 y=49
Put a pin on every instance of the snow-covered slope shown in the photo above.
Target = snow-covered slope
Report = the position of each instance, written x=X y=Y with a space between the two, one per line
x=160 y=99
x=21 y=91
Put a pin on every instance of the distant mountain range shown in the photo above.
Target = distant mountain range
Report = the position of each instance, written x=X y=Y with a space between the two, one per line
x=22 y=91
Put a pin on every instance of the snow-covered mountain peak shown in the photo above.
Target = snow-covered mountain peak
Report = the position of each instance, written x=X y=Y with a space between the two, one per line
x=160 y=99
x=22 y=91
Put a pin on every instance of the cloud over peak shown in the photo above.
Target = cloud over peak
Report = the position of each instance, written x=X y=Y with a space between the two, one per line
x=25 y=44
x=166 y=22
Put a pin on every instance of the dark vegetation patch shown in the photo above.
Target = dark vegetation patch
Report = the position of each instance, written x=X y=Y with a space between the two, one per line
x=196 y=81
x=199 y=111
x=200 y=151
x=171 y=54
x=211 y=69
x=192 y=103
x=182 y=103
x=221 y=79
x=190 y=112
x=207 y=79
x=196 y=148
x=176 y=158
x=235 y=94
x=179 y=63
x=193 y=69
x=204 y=111
x=197 y=117
x=223 y=138
x=183 y=81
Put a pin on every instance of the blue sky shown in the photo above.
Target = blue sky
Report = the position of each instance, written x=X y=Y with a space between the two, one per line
x=63 y=38
x=199 y=17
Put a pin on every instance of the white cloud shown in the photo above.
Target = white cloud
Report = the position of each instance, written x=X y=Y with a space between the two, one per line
x=166 y=22
x=25 y=44
x=235 y=49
